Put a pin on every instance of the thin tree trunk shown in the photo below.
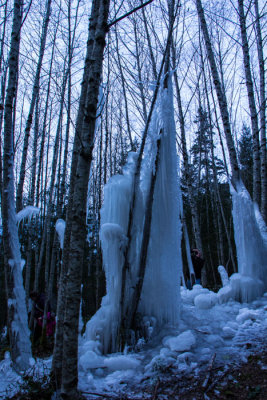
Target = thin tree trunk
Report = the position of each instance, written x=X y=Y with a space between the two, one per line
x=124 y=93
x=252 y=105
x=35 y=92
x=58 y=347
x=220 y=94
x=263 y=150
x=98 y=23
x=44 y=127
x=34 y=155
x=192 y=203
x=19 y=334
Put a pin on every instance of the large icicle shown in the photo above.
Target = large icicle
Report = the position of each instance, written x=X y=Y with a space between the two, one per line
x=104 y=324
x=161 y=290
x=251 y=246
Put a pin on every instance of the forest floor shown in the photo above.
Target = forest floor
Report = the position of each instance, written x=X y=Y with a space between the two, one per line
x=248 y=381
x=225 y=359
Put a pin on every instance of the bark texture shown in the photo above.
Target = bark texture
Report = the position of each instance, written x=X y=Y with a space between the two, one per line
x=220 y=93
x=19 y=334
x=96 y=42
x=35 y=91
x=252 y=105
x=263 y=150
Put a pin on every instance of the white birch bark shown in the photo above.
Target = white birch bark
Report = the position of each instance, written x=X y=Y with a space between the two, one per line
x=252 y=105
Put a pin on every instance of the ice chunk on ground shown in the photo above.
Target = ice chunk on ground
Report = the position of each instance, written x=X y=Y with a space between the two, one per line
x=246 y=314
x=91 y=360
x=121 y=362
x=214 y=340
x=182 y=342
x=228 y=332
x=205 y=301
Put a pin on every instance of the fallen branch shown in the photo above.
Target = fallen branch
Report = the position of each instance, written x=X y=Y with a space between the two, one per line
x=101 y=395
x=110 y=396
x=156 y=391
x=204 y=385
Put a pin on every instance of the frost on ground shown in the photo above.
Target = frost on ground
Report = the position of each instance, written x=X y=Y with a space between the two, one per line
x=206 y=327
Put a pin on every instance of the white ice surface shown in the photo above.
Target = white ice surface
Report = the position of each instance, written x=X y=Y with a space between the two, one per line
x=224 y=328
x=27 y=213
x=60 y=228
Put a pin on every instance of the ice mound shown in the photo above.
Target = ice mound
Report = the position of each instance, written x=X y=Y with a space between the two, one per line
x=246 y=314
x=91 y=360
x=206 y=300
x=182 y=342
x=121 y=362
x=188 y=296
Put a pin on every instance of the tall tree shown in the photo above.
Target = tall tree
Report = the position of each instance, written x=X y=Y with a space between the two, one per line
x=17 y=315
x=263 y=150
x=77 y=219
x=35 y=90
x=252 y=104
x=220 y=92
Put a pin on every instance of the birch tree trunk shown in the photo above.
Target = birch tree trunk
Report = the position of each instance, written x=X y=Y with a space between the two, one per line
x=35 y=91
x=263 y=150
x=96 y=44
x=19 y=334
x=193 y=205
x=252 y=105
x=220 y=93
x=58 y=347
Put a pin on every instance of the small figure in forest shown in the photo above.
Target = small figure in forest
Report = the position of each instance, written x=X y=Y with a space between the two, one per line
x=198 y=263
x=38 y=310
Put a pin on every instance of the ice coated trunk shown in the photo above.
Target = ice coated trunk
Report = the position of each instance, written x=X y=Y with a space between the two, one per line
x=220 y=93
x=19 y=334
x=99 y=17
x=252 y=105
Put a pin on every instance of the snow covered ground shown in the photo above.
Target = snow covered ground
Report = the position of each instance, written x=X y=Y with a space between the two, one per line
x=206 y=327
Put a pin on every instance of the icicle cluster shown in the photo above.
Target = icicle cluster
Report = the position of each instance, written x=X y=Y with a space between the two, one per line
x=160 y=297
x=114 y=223
x=251 y=247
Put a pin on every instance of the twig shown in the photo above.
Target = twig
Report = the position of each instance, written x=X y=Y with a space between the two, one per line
x=204 y=385
x=156 y=390
x=110 y=396
x=100 y=395
x=129 y=13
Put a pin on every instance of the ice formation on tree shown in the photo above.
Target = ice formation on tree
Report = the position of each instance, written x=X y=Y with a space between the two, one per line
x=251 y=246
x=27 y=213
x=114 y=224
x=60 y=228
x=20 y=332
x=223 y=275
x=160 y=296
